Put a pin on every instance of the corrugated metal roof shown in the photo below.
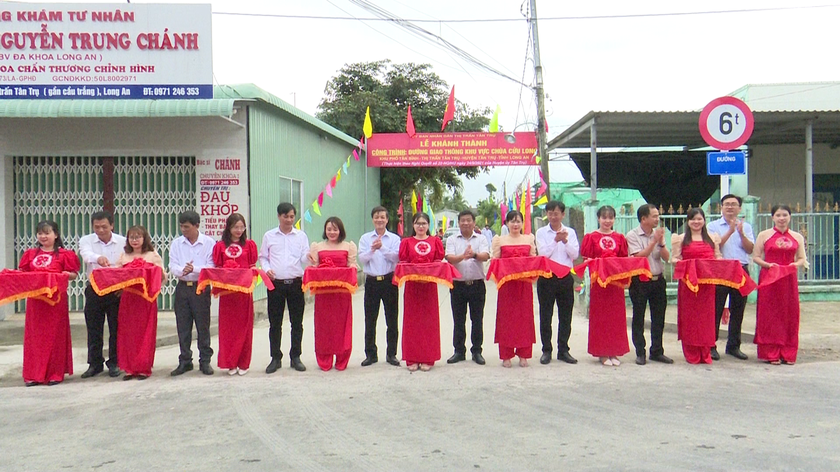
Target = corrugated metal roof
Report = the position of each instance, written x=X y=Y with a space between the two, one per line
x=252 y=92
x=221 y=105
x=681 y=129
x=114 y=108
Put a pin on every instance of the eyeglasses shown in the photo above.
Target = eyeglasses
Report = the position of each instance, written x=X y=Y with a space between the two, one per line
x=135 y=238
x=421 y=223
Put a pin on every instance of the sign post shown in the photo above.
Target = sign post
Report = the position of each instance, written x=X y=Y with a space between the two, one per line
x=726 y=123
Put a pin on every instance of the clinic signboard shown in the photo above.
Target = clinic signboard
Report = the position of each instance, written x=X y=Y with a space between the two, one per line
x=105 y=51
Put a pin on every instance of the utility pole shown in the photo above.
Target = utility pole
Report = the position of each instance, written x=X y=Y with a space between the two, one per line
x=541 y=137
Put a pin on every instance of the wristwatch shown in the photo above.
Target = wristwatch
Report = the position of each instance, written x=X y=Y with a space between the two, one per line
x=661 y=245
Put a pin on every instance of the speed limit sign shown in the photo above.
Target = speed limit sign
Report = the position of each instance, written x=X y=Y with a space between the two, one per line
x=726 y=123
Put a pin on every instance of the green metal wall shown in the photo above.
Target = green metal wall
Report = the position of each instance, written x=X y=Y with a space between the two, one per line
x=281 y=145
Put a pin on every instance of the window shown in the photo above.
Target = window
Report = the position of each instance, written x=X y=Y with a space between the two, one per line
x=291 y=190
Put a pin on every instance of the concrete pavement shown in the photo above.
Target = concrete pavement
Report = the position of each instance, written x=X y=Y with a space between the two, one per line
x=819 y=336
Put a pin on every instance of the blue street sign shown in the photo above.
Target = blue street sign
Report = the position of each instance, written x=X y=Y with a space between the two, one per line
x=725 y=163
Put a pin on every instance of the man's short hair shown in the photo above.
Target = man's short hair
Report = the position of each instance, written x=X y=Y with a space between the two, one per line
x=190 y=217
x=555 y=205
x=284 y=208
x=729 y=195
x=644 y=211
x=465 y=213
x=377 y=209
x=102 y=215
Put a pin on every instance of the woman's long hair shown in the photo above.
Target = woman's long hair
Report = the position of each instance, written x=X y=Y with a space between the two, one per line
x=147 y=240
x=227 y=237
x=47 y=225
x=703 y=232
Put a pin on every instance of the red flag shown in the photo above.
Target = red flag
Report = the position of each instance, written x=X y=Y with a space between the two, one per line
x=400 y=214
x=503 y=209
x=449 y=114
x=409 y=124
x=419 y=208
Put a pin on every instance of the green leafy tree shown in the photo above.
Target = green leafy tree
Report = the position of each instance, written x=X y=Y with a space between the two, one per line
x=454 y=202
x=388 y=89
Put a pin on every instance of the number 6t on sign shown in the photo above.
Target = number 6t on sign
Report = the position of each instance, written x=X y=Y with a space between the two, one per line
x=726 y=123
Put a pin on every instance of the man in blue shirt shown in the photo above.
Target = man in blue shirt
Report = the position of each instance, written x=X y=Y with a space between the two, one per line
x=736 y=242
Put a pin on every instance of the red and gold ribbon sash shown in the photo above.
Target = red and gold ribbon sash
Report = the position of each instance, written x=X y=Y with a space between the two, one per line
x=227 y=280
x=428 y=272
x=505 y=269
x=143 y=279
x=45 y=286
x=726 y=272
x=330 y=279
x=616 y=271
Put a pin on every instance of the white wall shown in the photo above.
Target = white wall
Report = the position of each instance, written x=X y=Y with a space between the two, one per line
x=777 y=173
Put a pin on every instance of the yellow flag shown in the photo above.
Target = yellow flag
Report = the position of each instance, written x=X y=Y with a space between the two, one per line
x=368 y=128
x=338 y=175
x=316 y=208
x=494 y=122
x=413 y=202
x=444 y=223
x=522 y=204
x=297 y=224
x=542 y=200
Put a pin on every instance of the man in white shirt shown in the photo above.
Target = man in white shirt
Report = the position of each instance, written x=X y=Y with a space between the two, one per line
x=467 y=251
x=101 y=249
x=379 y=252
x=736 y=242
x=283 y=254
x=187 y=256
x=560 y=244
x=488 y=234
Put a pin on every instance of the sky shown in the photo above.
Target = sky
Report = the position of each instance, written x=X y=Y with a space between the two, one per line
x=600 y=55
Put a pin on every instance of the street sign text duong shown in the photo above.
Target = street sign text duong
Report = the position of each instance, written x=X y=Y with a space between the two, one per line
x=105 y=51
x=451 y=149
x=725 y=163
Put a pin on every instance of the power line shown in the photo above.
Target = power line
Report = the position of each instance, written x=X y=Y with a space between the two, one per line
x=511 y=20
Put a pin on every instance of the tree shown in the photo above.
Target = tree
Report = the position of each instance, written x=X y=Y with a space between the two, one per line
x=388 y=89
x=488 y=213
x=491 y=189
x=454 y=202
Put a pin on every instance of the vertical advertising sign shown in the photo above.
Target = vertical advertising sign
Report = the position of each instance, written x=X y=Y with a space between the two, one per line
x=222 y=189
x=83 y=51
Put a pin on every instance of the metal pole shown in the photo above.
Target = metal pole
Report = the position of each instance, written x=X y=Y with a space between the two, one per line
x=809 y=165
x=593 y=162
x=541 y=137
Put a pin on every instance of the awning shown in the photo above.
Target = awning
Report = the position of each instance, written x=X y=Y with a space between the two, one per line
x=680 y=128
x=115 y=108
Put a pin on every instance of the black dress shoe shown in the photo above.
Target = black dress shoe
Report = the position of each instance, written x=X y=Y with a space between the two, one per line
x=641 y=360
x=205 y=369
x=662 y=358
x=478 y=358
x=392 y=360
x=141 y=377
x=181 y=369
x=566 y=357
x=457 y=357
x=370 y=360
x=273 y=366
x=53 y=383
x=715 y=355
x=128 y=377
x=114 y=371
x=31 y=384
x=736 y=352
x=545 y=358
x=298 y=365
x=92 y=371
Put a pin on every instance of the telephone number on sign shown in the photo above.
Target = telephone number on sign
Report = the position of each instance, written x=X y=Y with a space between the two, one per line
x=171 y=91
